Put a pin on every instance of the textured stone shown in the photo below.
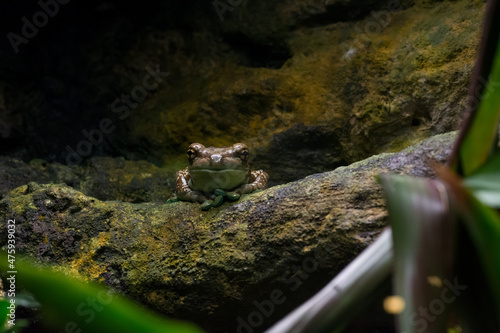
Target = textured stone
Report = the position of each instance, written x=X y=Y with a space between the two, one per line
x=211 y=267
x=347 y=89
x=104 y=178
x=356 y=78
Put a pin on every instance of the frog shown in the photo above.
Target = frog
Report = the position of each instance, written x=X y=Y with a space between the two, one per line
x=215 y=174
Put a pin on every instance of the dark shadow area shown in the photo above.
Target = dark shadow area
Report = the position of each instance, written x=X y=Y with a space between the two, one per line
x=251 y=54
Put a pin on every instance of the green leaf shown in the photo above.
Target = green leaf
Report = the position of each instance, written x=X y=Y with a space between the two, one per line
x=423 y=235
x=485 y=182
x=483 y=226
x=70 y=304
x=3 y=312
x=481 y=137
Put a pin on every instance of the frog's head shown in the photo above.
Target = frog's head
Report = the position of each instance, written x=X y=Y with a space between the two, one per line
x=234 y=157
x=211 y=168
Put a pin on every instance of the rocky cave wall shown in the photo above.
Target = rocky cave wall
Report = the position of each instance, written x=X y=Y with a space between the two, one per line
x=308 y=85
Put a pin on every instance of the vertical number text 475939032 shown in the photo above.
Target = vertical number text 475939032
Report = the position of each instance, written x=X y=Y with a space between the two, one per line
x=11 y=257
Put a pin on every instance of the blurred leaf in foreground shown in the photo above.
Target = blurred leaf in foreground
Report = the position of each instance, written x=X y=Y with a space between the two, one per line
x=423 y=228
x=483 y=226
x=478 y=137
x=3 y=312
x=69 y=305
x=485 y=182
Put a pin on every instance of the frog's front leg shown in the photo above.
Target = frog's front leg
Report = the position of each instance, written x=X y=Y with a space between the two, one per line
x=257 y=181
x=184 y=192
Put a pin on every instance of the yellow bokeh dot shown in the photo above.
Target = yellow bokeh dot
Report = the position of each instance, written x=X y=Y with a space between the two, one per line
x=394 y=304
x=435 y=281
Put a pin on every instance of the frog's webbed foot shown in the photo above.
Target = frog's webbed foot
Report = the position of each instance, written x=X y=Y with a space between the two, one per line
x=218 y=199
x=258 y=181
x=232 y=196
x=173 y=198
x=207 y=205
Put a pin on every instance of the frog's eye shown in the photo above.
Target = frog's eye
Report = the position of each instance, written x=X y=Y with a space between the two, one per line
x=191 y=153
x=243 y=154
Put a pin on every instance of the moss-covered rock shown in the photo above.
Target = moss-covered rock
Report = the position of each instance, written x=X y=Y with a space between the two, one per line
x=14 y=173
x=108 y=178
x=354 y=78
x=214 y=267
x=375 y=84
x=104 y=178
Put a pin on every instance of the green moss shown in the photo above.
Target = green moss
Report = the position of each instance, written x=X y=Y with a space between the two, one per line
x=423 y=57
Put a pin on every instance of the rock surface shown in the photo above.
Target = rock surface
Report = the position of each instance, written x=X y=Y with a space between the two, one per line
x=104 y=178
x=216 y=267
x=330 y=81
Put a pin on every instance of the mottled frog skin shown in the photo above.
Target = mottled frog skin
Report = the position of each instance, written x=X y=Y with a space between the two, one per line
x=217 y=173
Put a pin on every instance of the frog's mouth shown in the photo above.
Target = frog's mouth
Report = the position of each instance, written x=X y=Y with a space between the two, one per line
x=207 y=180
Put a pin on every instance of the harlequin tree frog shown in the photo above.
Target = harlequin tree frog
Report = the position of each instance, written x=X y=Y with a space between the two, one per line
x=217 y=173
